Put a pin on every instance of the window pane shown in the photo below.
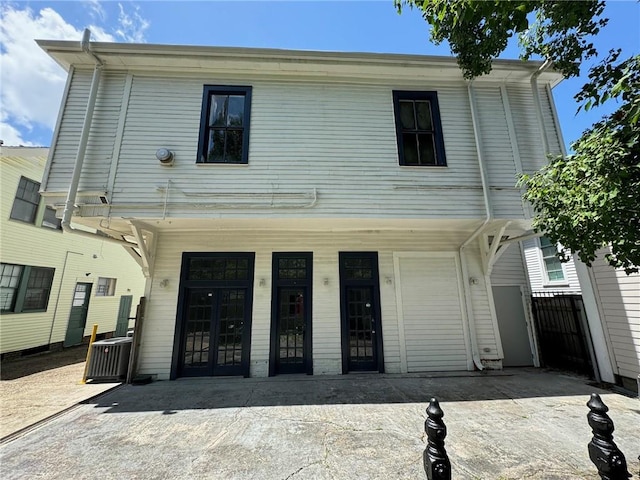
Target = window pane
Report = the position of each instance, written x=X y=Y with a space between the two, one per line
x=423 y=115
x=218 y=112
x=410 y=146
x=427 y=153
x=216 y=146
x=9 y=279
x=407 y=119
x=236 y=110
x=23 y=210
x=106 y=287
x=234 y=146
x=38 y=288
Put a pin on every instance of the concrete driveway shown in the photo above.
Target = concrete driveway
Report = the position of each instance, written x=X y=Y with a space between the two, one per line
x=513 y=425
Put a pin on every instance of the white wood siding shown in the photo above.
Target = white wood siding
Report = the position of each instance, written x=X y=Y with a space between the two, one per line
x=338 y=139
x=527 y=128
x=431 y=308
x=510 y=268
x=498 y=153
x=619 y=298
x=158 y=335
x=75 y=259
x=537 y=273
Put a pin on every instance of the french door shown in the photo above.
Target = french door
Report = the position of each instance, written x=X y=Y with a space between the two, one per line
x=360 y=311
x=291 y=314
x=214 y=325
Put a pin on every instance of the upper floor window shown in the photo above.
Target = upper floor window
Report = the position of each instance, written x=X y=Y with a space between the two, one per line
x=552 y=264
x=106 y=287
x=418 y=129
x=224 y=125
x=49 y=220
x=25 y=205
x=24 y=288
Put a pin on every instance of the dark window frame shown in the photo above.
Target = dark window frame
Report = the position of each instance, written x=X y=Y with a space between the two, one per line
x=27 y=286
x=204 y=123
x=22 y=184
x=436 y=131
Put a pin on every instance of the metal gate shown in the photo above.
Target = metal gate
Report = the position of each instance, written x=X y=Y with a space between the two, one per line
x=560 y=322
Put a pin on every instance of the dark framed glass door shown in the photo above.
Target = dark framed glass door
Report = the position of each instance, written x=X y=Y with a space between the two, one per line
x=291 y=314
x=213 y=343
x=213 y=329
x=360 y=311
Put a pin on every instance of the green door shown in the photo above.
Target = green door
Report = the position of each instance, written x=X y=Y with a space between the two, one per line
x=123 y=315
x=78 y=315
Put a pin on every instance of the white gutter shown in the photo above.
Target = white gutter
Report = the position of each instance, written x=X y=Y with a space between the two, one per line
x=537 y=105
x=475 y=354
x=82 y=148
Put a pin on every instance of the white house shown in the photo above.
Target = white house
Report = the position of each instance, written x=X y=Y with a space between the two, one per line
x=302 y=212
x=54 y=286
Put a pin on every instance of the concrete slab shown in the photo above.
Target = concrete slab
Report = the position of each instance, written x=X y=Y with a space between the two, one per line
x=35 y=388
x=522 y=424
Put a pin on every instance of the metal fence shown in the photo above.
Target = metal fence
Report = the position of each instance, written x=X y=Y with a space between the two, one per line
x=562 y=330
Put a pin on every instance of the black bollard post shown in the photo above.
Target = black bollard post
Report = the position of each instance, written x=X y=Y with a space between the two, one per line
x=436 y=461
x=603 y=452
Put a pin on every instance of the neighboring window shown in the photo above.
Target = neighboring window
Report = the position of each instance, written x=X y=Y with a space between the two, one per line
x=9 y=280
x=24 y=288
x=26 y=202
x=224 y=125
x=418 y=129
x=50 y=220
x=551 y=262
x=106 y=287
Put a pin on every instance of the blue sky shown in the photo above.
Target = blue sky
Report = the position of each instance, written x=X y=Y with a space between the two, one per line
x=32 y=85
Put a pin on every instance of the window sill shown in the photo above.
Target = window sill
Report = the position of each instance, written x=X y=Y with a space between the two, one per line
x=555 y=285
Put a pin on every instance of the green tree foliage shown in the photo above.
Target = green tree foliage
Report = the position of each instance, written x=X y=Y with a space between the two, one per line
x=478 y=31
x=591 y=198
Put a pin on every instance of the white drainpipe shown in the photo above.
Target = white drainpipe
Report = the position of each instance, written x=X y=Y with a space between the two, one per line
x=82 y=148
x=537 y=106
x=463 y=259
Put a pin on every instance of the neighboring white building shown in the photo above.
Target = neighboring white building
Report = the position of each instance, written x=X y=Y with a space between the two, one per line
x=615 y=320
x=546 y=272
x=304 y=212
x=54 y=286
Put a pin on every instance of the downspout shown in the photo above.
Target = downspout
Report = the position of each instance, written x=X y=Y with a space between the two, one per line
x=82 y=148
x=537 y=106
x=475 y=354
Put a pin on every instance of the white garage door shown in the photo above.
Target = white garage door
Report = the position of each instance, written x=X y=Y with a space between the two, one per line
x=431 y=314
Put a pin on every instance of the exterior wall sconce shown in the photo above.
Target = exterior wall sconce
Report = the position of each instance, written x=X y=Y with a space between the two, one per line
x=164 y=283
x=325 y=281
x=262 y=282
x=473 y=281
x=388 y=280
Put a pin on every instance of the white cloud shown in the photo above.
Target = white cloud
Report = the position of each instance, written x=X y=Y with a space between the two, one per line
x=96 y=10
x=32 y=83
x=132 y=25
